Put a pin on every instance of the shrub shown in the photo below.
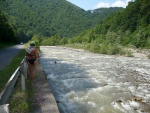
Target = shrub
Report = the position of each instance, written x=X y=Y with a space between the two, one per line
x=128 y=53
x=148 y=56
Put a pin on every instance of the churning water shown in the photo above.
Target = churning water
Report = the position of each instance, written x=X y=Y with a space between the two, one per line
x=85 y=82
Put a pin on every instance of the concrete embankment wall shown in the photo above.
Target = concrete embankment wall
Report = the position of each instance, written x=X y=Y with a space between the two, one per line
x=43 y=95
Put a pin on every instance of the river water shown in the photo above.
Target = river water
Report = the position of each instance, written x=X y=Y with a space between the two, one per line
x=85 y=82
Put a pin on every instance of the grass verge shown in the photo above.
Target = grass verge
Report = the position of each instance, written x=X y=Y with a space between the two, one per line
x=21 y=101
x=10 y=69
x=5 y=45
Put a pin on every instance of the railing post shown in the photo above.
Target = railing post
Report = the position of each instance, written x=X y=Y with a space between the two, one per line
x=4 y=108
x=23 y=82
x=25 y=66
x=23 y=73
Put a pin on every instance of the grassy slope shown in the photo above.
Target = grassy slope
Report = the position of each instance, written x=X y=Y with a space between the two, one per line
x=21 y=100
x=10 y=69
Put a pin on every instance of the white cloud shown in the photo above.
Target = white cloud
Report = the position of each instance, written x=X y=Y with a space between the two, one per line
x=102 y=5
x=118 y=3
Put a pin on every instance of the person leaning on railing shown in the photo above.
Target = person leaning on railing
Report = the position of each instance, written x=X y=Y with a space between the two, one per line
x=32 y=56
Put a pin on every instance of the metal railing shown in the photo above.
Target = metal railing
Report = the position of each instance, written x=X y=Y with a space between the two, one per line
x=8 y=89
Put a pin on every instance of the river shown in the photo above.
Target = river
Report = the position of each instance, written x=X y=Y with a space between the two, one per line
x=84 y=82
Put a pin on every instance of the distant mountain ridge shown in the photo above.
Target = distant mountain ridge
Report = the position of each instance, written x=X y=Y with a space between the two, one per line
x=128 y=27
x=50 y=17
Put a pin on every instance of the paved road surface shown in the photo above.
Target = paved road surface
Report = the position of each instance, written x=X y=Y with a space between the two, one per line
x=7 y=54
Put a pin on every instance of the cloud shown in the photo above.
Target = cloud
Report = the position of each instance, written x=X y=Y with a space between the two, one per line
x=118 y=3
x=102 y=4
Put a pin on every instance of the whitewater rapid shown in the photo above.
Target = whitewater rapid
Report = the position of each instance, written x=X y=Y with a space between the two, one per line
x=84 y=82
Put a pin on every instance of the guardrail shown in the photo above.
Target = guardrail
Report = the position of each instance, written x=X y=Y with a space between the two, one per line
x=8 y=89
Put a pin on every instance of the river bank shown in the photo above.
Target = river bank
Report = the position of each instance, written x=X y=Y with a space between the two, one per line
x=139 y=53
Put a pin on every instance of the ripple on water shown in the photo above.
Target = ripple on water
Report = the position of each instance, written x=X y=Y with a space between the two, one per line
x=84 y=82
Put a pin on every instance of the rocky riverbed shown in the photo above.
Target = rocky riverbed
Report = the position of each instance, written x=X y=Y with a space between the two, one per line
x=85 y=82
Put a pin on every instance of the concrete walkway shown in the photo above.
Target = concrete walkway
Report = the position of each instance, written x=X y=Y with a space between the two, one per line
x=44 y=97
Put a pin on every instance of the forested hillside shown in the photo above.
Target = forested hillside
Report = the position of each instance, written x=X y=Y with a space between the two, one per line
x=129 y=27
x=7 y=30
x=50 y=17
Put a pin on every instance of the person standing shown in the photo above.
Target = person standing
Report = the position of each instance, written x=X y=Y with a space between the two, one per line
x=32 y=57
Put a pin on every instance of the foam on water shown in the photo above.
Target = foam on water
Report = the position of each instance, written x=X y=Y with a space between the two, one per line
x=84 y=82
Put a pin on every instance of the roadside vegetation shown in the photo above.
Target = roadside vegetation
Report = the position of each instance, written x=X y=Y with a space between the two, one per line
x=21 y=101
x=10 y=69
x=5 y=45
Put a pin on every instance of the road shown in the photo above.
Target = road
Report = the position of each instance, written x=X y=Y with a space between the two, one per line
x=7 y=54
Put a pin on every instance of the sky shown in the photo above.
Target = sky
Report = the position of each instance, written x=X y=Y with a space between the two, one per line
x=94 y=4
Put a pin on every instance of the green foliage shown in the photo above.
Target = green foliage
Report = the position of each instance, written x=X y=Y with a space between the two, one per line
x=23 y=101
x=128 y=53
x=48 y=22
x=18 y=102
x=63 y=41
x=129 y=27
x=7 y=72
x=5 y=45
x=129 y=19
x=124 y=28
x=53 y=41
x=50 y=17
x=7 y=31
